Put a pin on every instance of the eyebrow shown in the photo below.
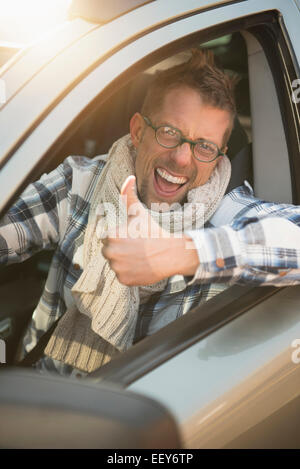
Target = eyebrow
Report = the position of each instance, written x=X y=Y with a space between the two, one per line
x=184 y=135
x=167 y=124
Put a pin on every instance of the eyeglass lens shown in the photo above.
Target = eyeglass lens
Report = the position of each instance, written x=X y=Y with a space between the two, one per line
x=171 y=138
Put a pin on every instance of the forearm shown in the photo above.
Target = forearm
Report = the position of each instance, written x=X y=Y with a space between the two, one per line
x=33 y=222
x=19 y=241
x=182 y=256
x=263 y=252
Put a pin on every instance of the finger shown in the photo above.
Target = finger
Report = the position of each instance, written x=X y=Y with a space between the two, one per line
x=104 y=252
x=108 y=252
x=129 y=193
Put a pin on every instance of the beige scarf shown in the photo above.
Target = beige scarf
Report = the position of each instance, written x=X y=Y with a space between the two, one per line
x=103 y=321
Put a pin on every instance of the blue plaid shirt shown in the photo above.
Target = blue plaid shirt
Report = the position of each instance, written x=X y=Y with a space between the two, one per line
x=246 y=241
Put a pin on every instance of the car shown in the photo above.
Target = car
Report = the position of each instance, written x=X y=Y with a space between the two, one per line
x=8 y=50
x=227 y=373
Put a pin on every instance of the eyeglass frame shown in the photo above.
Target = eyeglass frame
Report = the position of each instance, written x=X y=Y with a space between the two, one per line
x=183 y=139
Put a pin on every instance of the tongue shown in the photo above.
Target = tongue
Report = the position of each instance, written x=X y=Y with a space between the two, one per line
x=166 y=186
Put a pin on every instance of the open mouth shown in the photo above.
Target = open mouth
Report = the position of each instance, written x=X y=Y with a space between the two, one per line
x=167 y=185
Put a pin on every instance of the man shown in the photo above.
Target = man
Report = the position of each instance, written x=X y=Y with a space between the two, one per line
x=111 y=281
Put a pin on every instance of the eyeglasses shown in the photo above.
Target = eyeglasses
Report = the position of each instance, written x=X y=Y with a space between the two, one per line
x=169 y=137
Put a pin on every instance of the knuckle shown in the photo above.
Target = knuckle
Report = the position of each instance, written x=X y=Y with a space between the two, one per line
x=123 y=278
x=107 y=252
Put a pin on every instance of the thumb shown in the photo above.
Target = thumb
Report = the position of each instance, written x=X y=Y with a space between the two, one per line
x=129 y=194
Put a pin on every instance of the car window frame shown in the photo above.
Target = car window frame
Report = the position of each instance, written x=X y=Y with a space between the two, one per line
x=285 y=69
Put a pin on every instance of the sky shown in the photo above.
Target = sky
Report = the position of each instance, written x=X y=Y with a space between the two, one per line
x=24 y=21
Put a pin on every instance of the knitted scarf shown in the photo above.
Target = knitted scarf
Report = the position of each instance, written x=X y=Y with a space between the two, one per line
x=102 y=322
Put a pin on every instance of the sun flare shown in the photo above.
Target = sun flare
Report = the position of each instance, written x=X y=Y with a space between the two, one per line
x=27 y=20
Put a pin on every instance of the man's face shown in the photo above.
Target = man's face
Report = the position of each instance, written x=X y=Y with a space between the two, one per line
x=182 y=108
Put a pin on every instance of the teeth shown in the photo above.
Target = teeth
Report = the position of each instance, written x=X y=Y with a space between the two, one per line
x=170 y=178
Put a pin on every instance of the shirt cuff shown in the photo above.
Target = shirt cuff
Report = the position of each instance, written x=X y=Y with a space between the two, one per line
x=221 y=254
x=242 y=256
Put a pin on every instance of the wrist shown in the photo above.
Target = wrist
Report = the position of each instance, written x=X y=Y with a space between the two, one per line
x=186 y=255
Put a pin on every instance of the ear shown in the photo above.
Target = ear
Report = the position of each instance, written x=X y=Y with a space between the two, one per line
x=136 y=128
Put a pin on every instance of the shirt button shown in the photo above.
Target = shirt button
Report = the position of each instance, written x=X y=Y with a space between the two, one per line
x=220 y=262
x=76 y=266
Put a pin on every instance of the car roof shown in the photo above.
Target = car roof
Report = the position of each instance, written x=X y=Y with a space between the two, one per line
x=102 y=11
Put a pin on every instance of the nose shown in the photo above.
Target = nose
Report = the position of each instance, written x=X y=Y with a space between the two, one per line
x=182 y=155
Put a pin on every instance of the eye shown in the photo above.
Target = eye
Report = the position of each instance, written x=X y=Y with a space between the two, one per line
x=170 y=132
x=168 y=136
x=205 y=151
x=206 y=147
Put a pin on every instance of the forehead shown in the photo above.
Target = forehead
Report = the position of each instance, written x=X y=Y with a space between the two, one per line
x=184 y=108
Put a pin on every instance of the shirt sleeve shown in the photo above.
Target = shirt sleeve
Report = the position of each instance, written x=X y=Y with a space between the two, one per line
x=262 y=247
x=36 y=219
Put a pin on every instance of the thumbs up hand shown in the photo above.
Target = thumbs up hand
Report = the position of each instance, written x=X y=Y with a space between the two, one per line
x=143 y=253
x=135 y=209
x=128 y=192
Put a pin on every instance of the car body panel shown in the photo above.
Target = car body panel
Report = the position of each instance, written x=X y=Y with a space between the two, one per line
x=32 y=59
x=236 y=377
x=297 y=3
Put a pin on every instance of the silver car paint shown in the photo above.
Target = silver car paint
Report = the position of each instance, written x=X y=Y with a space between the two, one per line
x=236 y=377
